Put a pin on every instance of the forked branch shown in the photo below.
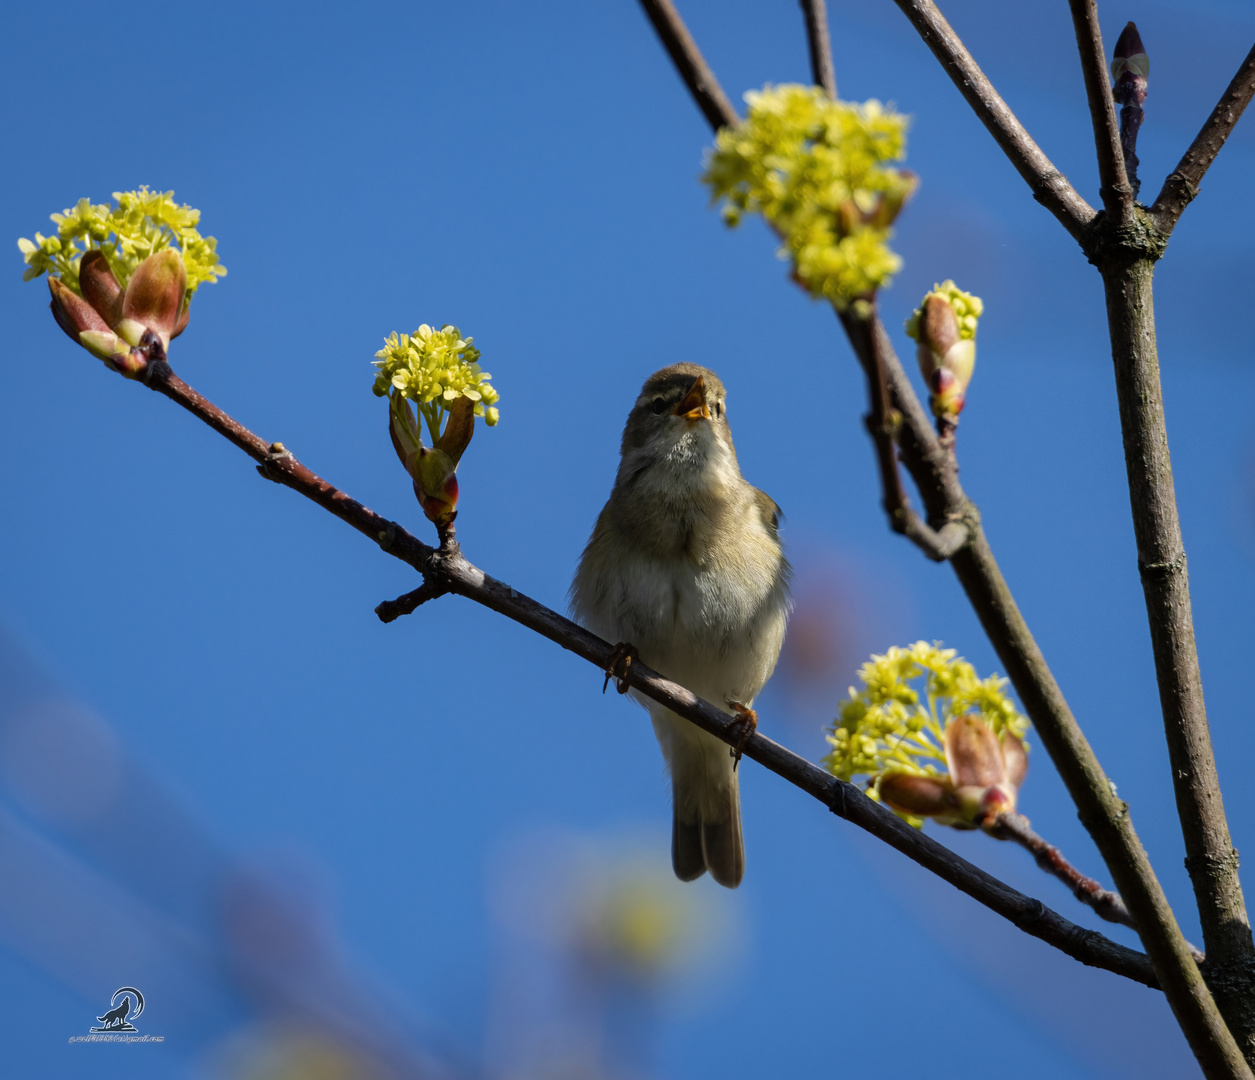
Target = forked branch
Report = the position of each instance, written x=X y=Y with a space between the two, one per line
x=1105 y=816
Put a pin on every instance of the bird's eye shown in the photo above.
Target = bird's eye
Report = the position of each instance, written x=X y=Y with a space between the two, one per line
x=718 y=409
x=660 y=406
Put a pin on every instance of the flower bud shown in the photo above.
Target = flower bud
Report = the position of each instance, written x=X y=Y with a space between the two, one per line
x=433 y=469
x=99 y=287
x=920 y=796
x=944 y=325
x=154 y=296
x=1130 y=67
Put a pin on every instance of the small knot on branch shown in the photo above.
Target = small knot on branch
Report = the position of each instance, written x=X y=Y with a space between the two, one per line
x=836 y=800
x=277 y=453
x=1161 y=571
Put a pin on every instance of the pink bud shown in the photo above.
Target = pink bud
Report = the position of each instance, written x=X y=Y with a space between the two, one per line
x=923 y=796
x=99 y=287
x=72 y=312
x=154 y=297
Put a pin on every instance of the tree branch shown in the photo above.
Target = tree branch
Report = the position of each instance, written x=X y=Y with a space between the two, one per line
x=1107 y=904
x=1049 y=186
x=1182 y=183
x=1104 y=815
x=1114 y=187
x=447 y=570
x=822 y=70
x=690 y=64
x=882 y=423
x=1211 y=859
x=391 y=610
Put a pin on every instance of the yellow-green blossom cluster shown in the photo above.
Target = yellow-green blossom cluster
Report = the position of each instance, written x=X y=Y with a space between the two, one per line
x=896 y=723
x=815 y=169
x=967 y=310
x=433 y=368
x=140 y=223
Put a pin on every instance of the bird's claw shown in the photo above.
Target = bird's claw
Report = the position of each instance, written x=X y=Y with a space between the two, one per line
x=747 y=720
x=617 y=667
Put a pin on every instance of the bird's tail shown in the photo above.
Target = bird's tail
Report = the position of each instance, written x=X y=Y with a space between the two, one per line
x=706 y=808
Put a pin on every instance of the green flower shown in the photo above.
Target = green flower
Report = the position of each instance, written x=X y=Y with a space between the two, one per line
x=815 y=169
x=140 y=224
x=438 y=371
x=433 y=368
x=896 y=725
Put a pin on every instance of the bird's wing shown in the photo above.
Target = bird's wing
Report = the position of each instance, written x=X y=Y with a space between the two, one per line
x=770 y=511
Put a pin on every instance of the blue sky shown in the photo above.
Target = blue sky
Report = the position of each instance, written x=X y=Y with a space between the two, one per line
x=529 y=172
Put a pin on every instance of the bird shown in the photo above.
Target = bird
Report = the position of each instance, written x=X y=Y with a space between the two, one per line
x=685 y=570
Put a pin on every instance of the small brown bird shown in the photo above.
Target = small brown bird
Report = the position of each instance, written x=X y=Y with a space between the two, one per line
x=685 y=565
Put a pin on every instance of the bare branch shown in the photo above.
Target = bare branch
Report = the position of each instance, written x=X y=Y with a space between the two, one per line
x=448 y=570
x=1114 y=187
x=882 y=423
x=690 y=64
x=1107 y=904
x=820 y=46
x=390 y=610
x=1210 y=856
x=1049 y=186
x=1182 y=183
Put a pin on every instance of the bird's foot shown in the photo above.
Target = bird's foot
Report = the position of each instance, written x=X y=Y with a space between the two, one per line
x=617 y=667
x=747 y=720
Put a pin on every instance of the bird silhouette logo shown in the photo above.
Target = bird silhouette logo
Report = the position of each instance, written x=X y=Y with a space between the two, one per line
x=121 y=1012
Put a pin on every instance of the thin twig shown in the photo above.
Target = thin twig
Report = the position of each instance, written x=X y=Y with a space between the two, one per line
x=690 y=64
x=390 y=610
x=822 y=70
x=1114 y=188
x=1106 y=904
x=1182 y=183
x=882 y=423
x=1049 y=186
x=452 y=572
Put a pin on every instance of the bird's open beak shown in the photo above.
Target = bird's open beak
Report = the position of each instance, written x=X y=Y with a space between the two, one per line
x=693 y=406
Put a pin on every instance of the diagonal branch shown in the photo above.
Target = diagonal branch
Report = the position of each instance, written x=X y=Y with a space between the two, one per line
x=822 y=70
x=1114 y=187
x=1049 y=186
x=1107 y=904
x=690 y=64
x=1182 y=183
x=447 y=570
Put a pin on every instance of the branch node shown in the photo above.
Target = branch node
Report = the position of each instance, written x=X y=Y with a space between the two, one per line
x=1161 y=571
x=277 y=453
x=836 y=799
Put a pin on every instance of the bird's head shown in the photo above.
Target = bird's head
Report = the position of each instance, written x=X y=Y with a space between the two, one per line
x=678 y=429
